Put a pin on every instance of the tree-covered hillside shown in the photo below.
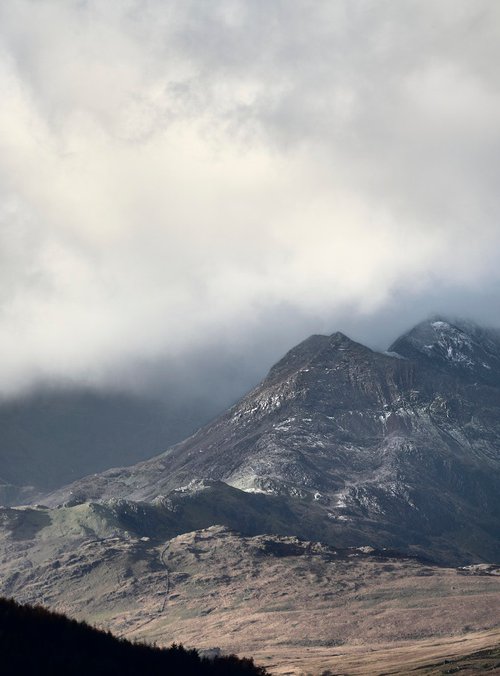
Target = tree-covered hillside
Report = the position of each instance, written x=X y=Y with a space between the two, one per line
x=34 y=640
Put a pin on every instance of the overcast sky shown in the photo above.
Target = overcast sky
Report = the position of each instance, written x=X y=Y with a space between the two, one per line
x=210 y=181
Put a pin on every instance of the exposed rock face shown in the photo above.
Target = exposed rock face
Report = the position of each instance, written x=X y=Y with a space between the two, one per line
x=400 y=449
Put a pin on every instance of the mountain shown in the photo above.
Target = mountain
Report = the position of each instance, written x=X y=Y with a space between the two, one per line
x=398 y=449
x=343 y=516
x=56 y=435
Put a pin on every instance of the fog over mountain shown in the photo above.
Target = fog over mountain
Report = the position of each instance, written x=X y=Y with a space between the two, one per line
x=188 y=188
x=250 y=328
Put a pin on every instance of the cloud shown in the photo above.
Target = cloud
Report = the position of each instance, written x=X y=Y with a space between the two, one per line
x=180 y=175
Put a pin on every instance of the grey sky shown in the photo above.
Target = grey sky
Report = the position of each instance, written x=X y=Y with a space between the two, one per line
x=183 y=179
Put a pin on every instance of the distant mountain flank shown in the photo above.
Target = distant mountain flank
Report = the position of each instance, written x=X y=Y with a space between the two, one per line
x=398 y=449
x=52 y=436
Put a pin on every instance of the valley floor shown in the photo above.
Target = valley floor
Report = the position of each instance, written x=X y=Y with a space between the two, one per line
x=430 y=657
x=297 y=607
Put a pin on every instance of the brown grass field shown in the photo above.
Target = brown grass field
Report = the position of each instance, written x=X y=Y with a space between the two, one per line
x=297 y=608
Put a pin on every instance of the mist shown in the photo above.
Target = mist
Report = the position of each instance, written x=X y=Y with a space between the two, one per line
x=188 y=189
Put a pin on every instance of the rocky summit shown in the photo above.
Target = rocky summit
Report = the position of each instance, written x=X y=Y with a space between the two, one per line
x=398 y=449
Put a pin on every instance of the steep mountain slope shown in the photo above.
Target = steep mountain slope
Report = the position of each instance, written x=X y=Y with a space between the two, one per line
x=402 y=447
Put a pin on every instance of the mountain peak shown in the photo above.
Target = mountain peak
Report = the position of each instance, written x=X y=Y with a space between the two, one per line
x=339 y=338
x=317 y=349
x=458 y=344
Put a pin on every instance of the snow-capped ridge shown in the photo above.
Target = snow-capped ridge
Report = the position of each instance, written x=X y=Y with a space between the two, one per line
x=457 y=344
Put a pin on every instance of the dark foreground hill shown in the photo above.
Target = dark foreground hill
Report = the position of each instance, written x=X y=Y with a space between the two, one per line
x=398 y=449
x=36 y=641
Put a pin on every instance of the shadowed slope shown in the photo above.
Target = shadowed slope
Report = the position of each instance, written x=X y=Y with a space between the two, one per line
x=34 y=640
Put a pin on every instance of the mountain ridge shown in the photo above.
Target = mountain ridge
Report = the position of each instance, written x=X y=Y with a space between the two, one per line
x=461 y=344
x=399 y=449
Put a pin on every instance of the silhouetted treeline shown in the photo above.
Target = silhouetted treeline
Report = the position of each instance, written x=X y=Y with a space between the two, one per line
x=36 y=641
